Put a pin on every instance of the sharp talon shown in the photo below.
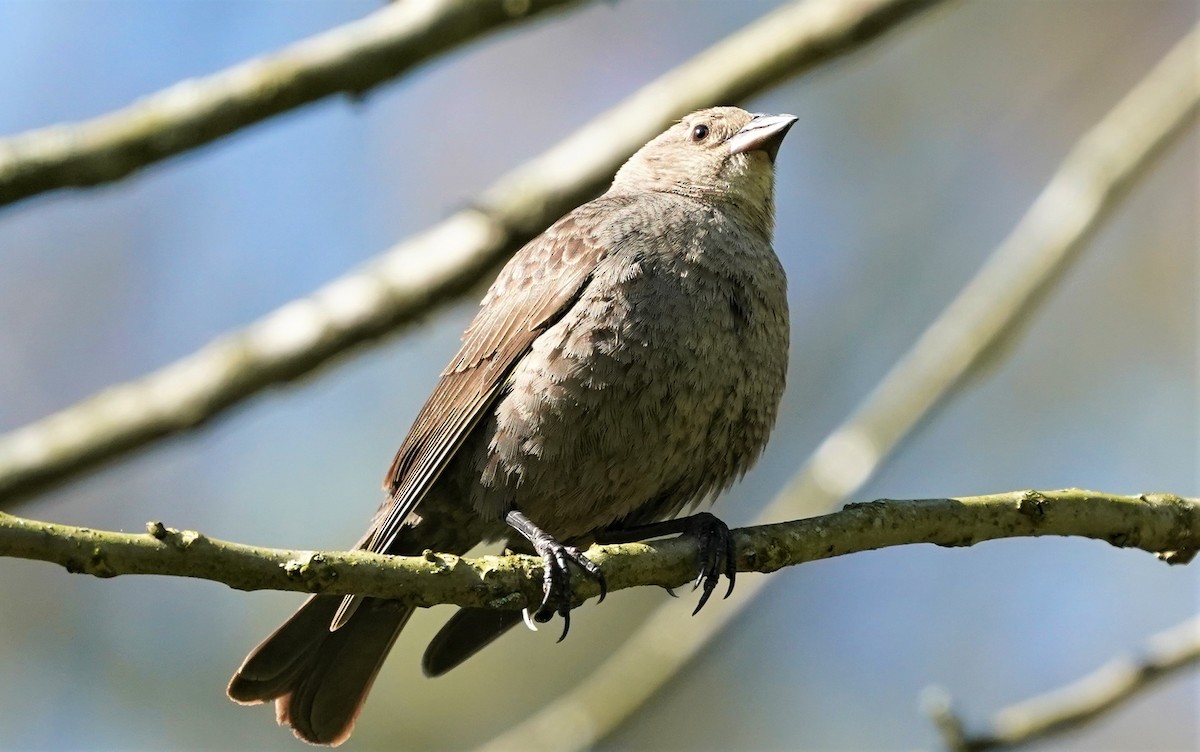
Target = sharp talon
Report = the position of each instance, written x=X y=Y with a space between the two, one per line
x=528 y=621
x=709 y=586
x=671 y=592
x=730 y=564
x=699 y=579
x=603 y=583
x=566 y=615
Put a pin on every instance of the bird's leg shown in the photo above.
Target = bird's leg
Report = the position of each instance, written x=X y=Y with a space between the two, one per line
x=715 y=549
x=557 y=581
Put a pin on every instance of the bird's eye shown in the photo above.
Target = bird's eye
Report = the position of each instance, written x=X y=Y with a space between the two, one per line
x=700 y=132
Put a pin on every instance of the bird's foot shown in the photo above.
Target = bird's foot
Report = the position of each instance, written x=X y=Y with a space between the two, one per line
x=716 y=553
x=556 y=582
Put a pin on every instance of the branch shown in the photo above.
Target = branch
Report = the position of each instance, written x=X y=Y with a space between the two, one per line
x=1097 y=173
x=1168 y=526
x=1073 y=705
x=350 y=59
x=436 y=266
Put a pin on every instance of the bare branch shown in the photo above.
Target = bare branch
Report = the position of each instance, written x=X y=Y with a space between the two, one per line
x=351 y=59
x=1066 y=708
x=436 y=266
x=1166 y=525
x=1095 y=175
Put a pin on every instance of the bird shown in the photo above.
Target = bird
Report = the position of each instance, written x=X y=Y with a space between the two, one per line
x=625 y=365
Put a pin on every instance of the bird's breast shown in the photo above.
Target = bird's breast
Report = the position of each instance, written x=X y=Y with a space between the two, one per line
x=658 y=386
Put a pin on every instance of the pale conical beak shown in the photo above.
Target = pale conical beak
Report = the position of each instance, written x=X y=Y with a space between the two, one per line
x=763 y=133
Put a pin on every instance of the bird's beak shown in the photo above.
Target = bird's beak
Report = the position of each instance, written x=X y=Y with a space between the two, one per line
x=763 y=133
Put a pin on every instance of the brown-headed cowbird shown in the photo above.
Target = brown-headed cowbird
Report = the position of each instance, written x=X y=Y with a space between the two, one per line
x=625 y=364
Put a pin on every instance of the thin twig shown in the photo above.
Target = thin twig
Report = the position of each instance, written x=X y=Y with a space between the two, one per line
x=350 y=59
x=436 y=266
x=1159 y=523
x=1066 y=708
x=1095 y=175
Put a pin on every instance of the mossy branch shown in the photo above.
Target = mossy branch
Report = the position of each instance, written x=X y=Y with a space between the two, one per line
x=1162 y=524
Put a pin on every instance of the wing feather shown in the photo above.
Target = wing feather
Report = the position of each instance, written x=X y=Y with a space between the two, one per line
x=530 y=294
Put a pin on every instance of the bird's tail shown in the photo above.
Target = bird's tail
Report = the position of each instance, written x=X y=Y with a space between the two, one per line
x=319 y=679
x=465 y=634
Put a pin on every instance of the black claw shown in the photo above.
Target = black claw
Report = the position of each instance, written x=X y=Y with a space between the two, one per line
x=557 y=583
x=556 y=566
x=710 y=584
x=566 y=615
x=715 y=556
x=670 y=591
x=730 y=562
x=716 y=553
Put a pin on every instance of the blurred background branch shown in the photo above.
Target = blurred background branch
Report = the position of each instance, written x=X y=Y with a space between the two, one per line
x=351 y=59
x=1164 y=655
x=1098 y=171
x=1165 y=525
x=438 y=265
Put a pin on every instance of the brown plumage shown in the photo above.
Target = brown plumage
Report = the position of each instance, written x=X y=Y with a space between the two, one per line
x=625 y=364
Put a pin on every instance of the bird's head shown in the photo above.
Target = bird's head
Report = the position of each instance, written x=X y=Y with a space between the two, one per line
x=721 y=155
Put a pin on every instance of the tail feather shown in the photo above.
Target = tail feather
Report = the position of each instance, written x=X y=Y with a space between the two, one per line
x=465 y=634
x=319 y=679
x=271 y=668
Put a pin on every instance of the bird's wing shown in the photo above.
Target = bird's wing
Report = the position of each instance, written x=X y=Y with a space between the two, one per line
x=531 y=294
